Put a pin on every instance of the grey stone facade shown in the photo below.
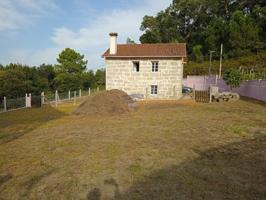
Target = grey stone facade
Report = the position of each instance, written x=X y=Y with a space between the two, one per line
x=120 y=75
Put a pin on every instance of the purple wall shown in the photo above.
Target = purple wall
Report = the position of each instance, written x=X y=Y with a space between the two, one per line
x=255 y=89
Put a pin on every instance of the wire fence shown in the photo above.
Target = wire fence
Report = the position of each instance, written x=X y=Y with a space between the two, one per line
x=59 y=97
x=12 y=104
x=1 y=105
x=8 y=104
x=53 y=98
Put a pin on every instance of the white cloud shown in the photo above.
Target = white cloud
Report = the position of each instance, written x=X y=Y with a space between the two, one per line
x=92 y=39
x=17 y=13
x=10 y=18
x=31 y=57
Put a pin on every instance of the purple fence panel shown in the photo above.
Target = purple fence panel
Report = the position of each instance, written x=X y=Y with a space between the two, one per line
x=255 y=88
x=200 y=82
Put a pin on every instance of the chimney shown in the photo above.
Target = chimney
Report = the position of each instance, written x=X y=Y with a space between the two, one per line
x=113 y=43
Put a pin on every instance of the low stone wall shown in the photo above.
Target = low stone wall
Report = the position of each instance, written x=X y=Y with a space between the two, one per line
x=254 y=89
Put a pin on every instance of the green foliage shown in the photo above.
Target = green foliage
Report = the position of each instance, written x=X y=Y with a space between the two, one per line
x=130 y=41
x=69 y=74
x=197 y=53
x=100 y=77
x=252 y=66
x=71 y=62
x=232 y=77
x=239 y=24
x=17 y=79
x=243 y=34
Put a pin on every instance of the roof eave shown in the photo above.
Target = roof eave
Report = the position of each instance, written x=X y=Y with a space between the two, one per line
x=179 y=56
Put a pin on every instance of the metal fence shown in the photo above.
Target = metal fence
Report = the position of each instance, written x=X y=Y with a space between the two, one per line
x=57 y=98
x=8 y=104
x=2 y=105
x=54 y=98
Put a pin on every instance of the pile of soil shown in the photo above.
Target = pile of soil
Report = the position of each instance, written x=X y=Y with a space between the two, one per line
x=111 y=102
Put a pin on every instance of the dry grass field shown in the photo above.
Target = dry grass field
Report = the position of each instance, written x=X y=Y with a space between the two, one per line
x=162 y=151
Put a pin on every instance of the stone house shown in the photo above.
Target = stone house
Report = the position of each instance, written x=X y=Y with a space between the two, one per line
x=145 y=71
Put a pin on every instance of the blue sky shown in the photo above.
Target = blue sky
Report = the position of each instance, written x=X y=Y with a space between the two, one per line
x=35 y=31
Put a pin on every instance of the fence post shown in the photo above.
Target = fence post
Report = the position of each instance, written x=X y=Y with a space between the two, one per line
x=79 y=92
x=75 y=95
x=194 y=93
x=56 y=98
x=98 y=89
x=5 y=109
x=174 y=91
x=42 y=98
x=69 y=95
x=26 y=100
x=210 y=90
x=29 y=100
x=146 y=96
x=89 y=91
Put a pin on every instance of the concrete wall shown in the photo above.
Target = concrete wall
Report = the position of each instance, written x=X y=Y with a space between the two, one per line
x=120 y=75
x=254 y=89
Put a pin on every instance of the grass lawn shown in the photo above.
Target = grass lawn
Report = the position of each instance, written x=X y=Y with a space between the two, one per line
x=162 y=151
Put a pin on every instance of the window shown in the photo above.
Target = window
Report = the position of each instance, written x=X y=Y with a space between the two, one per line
x=154 y=89
x=135 y=66
x=155 y=66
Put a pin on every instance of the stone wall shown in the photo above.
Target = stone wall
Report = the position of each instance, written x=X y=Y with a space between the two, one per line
x=120 y=75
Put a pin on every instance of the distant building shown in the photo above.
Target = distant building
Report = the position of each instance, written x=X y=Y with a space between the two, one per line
x=152 y=71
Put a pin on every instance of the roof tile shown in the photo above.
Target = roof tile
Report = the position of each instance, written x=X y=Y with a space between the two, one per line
x=149 y=50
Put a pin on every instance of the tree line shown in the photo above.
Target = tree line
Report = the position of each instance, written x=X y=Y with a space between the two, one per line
x=240 y=25
x=70 y=73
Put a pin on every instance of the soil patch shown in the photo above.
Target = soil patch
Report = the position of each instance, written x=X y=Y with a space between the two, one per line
x=111 y=102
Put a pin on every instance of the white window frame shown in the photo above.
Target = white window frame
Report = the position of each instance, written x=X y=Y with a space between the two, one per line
x=154 y=89
x=134 y=68
x=155 y=66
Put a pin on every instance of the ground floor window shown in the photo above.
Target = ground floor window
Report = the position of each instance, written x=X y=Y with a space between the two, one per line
x=154 y=89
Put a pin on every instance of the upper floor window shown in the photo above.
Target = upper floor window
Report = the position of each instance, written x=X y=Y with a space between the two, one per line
x=135 y=66
x=155 y=66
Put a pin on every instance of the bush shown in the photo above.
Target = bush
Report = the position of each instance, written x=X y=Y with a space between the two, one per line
x=233 y=78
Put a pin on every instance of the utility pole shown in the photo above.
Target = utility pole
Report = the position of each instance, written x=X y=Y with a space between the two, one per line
x=211 y=52
x=221 y=60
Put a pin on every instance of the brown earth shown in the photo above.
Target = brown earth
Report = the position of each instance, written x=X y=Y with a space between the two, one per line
x=111 y=102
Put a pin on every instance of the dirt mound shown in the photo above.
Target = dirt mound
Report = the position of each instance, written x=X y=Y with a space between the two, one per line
x=106 y=103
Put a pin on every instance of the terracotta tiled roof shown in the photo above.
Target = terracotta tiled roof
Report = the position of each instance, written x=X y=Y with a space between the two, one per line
x=149 y=50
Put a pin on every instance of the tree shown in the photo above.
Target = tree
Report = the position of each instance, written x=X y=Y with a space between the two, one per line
x=67 y=81
x=232 y=77
x=243 y=35
x=47 y=75
x=150 y=26
x=130 y=41
x=100 y=77
x=70 y=61
x=88 y=79
x=70 y=70
x=197 y=53
x=239 y=24
x=16 y=80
